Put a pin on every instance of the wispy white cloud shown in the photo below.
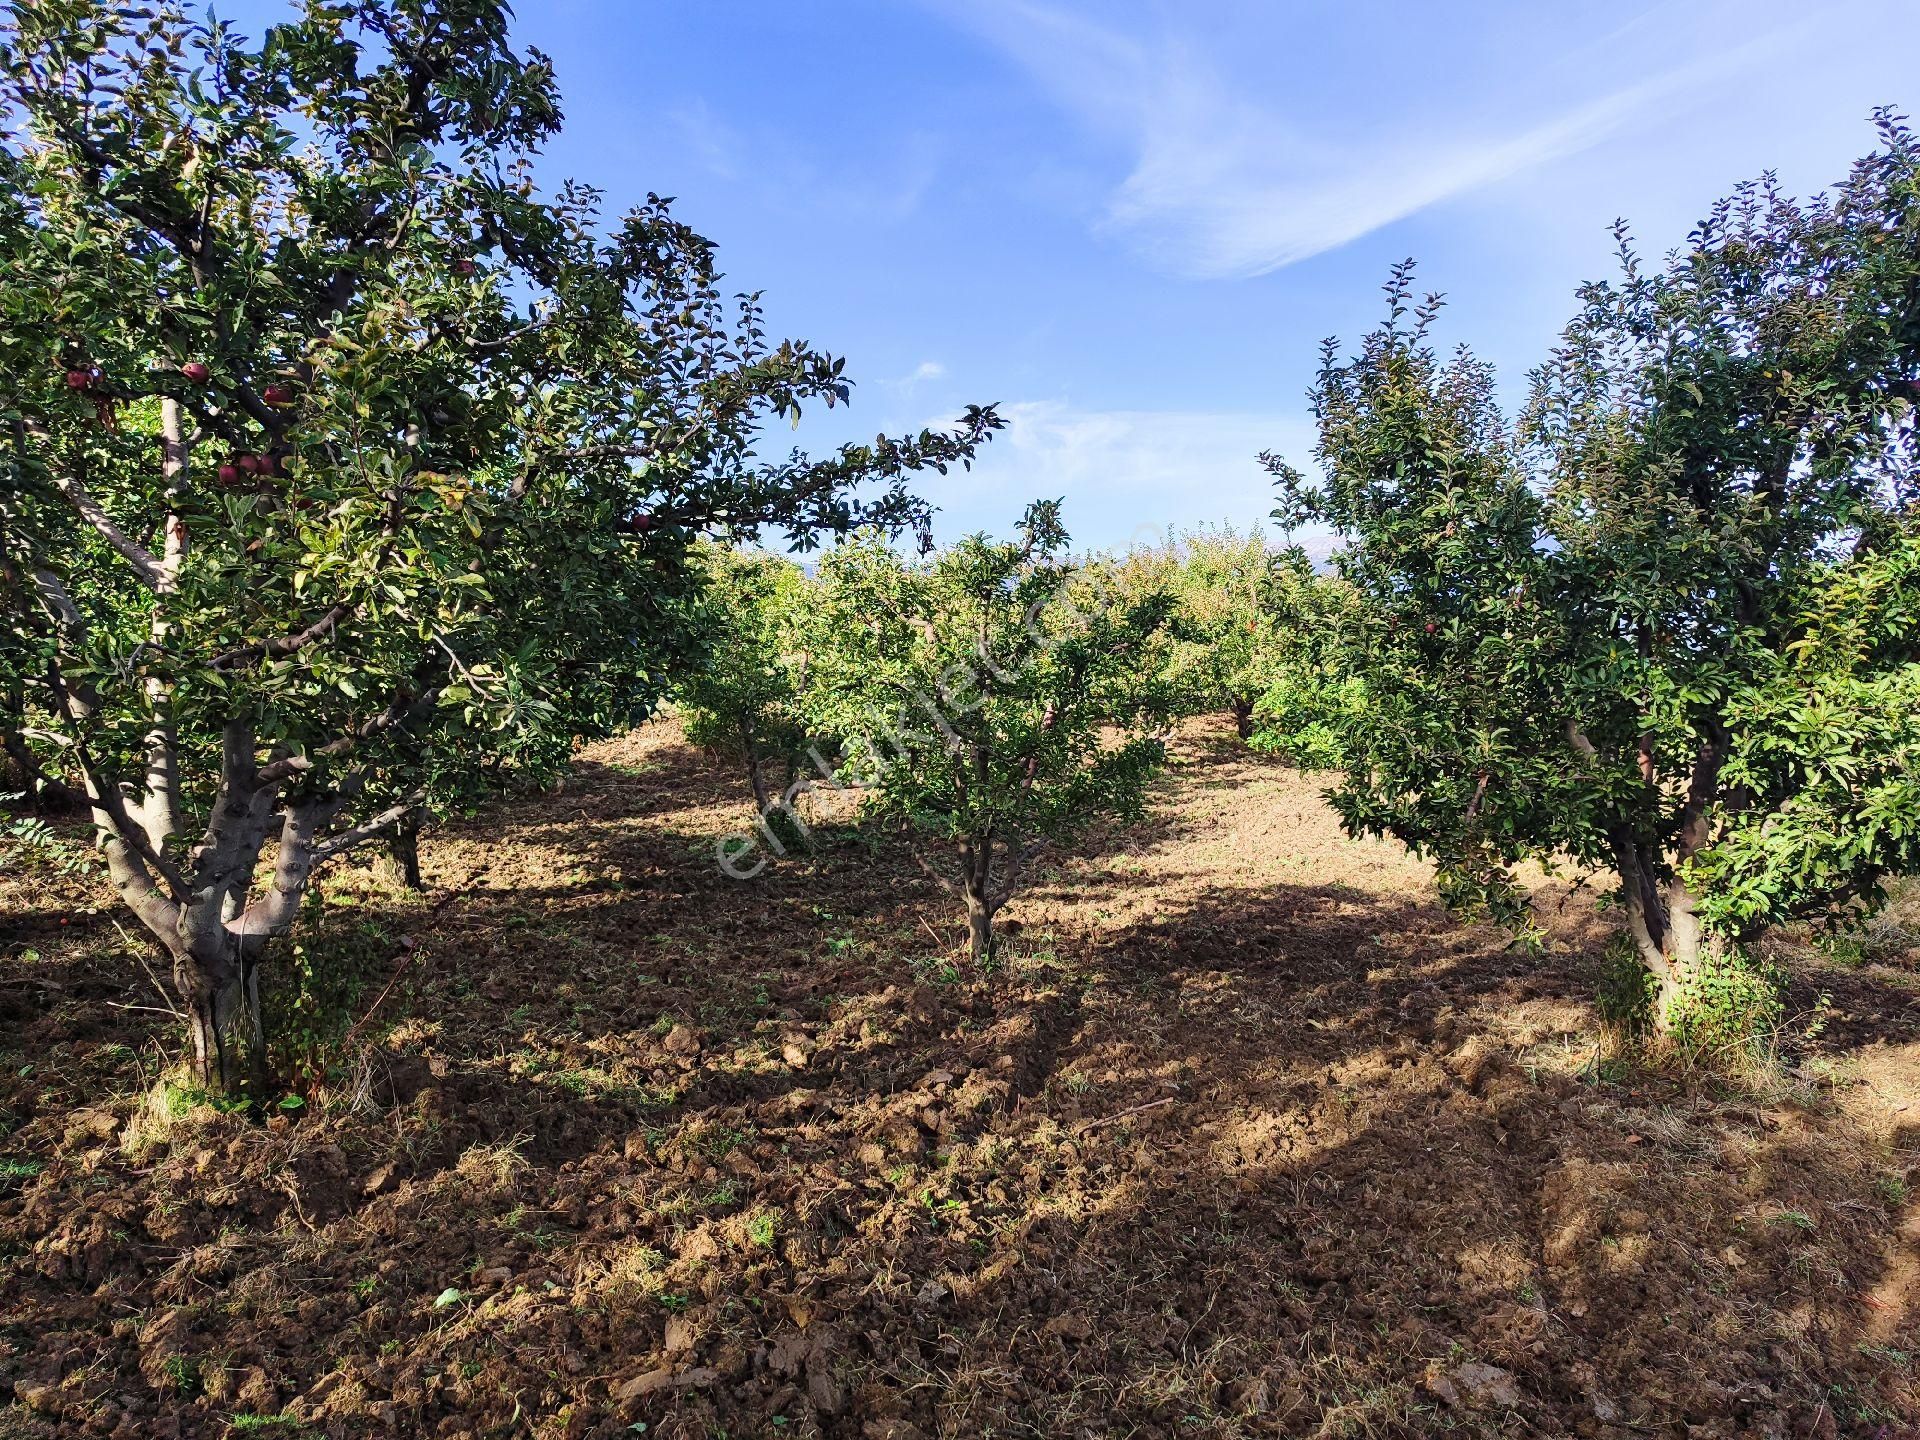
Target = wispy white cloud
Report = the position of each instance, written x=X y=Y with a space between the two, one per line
x=1126 y=475
x=924 y=371
x=712 y=143
x=1227 y=183
x=793 y=178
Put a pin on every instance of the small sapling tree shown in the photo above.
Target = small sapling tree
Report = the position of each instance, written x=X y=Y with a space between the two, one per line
x=345 y=472
x=743 y=694
x=1668 y=626
x=981 y=706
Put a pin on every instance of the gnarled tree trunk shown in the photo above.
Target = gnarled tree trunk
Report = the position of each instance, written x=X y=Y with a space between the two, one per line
x=1664 y=923
x=984 y=898
x=211 y=983
x=979 y=920
x=214 y=926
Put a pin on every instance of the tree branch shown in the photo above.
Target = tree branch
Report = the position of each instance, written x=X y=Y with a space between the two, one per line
x=107 y=801
x=1577 y=738
x=1645 y=920
x=109 y=806
x=134 y=881
x=1018 y=854
x=17 y=750
x=53 y=593
x=371 y=830
x=146 y=566
x=400 y=712
x=236 y=824
x=1695 y=829
x=282 y=646
x=274 y=912
x=927 y=866
x=160 y=812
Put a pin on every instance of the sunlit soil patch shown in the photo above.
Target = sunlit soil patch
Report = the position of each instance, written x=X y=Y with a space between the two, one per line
x=1241 y=1136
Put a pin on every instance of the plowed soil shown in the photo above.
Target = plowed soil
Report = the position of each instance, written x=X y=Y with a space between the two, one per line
x=1243 y=1136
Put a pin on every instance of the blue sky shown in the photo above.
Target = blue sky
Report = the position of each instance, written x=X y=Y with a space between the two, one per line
x=1131 y=222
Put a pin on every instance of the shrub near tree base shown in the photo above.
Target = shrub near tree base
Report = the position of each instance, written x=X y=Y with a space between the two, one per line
x=1724 y=1004
x=346 y=474
x=1671 y=626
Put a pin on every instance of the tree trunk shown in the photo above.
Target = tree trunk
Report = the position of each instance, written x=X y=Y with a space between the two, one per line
x=1686 y=944
x=216 y=936
x=976 y=867
x=1663 y=920
x=403 y=853
x=210 y=983
x=756 y=777
x=1645 y=909
x=1668 y=977
x=1243 y=717
x=755 y=774
x=979 y=922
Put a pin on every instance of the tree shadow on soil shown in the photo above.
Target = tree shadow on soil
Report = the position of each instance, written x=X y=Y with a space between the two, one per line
x=644 y=1145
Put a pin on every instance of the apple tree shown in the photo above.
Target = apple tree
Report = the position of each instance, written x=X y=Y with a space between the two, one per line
x=1309 y=696
x=1220 y=633
x=347 y=472
x=984 y=704
x=1668 y=624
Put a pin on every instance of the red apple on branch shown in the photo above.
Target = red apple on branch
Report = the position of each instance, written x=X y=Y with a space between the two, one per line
x=196 y=371
x=277 y=395
x=79 y=379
